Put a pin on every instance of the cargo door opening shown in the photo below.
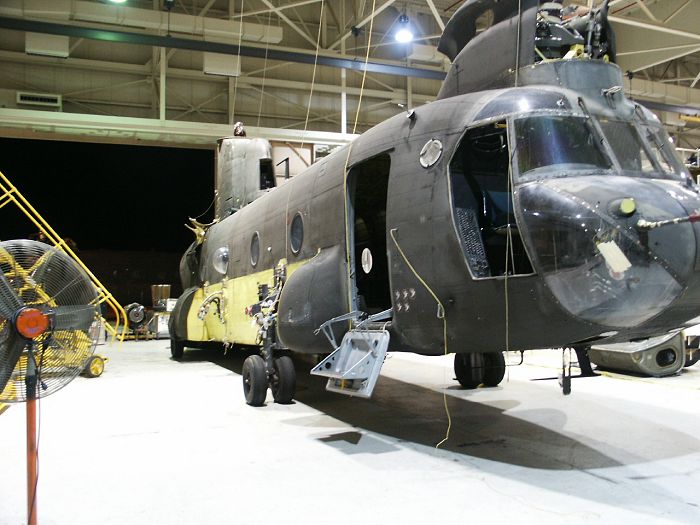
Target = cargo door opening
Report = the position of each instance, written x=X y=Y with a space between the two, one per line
x=367 y=194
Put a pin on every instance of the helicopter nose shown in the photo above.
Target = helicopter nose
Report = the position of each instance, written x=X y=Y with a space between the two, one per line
x=584 y=239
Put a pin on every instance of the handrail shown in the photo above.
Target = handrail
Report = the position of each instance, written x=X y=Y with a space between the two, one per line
x=9 y=193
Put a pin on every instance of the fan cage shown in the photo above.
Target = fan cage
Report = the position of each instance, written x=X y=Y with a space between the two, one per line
x=40 y=276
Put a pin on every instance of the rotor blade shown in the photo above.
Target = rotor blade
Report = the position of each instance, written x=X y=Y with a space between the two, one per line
x=74 y=317
x=9 y=301
x=9 y=357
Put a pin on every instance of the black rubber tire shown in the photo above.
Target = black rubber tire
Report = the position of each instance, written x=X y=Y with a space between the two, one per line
x=469 y=369
x=283 y=383
x=690 y=361
x=254 y=381
x=494 y=368
x=94 y=366
x=177 y=348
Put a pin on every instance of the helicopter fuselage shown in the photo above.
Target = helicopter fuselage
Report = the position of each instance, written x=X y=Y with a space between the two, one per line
x=503 y=219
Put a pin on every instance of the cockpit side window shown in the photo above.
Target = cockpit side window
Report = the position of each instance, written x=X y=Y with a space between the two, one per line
x=483 y=203
x=627 y=145
x=552 y=145
x=662 y=151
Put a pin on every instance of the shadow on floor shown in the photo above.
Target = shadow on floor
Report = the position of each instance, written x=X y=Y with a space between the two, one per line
x=415 y=414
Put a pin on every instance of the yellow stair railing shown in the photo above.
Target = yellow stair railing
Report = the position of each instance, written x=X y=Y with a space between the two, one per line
x=10 y=194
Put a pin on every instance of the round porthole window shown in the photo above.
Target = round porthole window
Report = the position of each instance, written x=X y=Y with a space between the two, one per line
x=296 y=233
x=431 y=153
x=220 y=260
x=255 y=249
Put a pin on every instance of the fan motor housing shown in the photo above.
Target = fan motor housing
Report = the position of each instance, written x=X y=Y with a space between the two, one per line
x=30 y=323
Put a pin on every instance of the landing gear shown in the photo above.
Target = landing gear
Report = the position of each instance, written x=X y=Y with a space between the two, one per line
x=477 y=368
x=254 y=380
x=283 y=380
x=257 y=376
x=469 y=369
x=270 y=368
x=177 y=347
x=494 y=368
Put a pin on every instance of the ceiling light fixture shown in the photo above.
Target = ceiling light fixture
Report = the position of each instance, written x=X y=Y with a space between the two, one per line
x=404 y=35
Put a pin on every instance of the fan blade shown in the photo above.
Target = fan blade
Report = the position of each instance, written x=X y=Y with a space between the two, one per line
x=9 y=355
x=74 y=317
x=9 y=301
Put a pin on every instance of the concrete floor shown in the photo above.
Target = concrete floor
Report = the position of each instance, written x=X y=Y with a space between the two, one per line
x=155 y=441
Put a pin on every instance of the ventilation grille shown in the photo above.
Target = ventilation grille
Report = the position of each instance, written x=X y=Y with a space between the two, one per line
x=471 y=237
x=39 y=99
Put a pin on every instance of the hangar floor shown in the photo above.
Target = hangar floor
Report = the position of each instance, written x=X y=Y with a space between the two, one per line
x=155 y=441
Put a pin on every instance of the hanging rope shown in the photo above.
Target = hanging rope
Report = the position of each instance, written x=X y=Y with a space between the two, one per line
x=235 y=82
x=313 y=75
x=349 y=261
x=267 y=48
x=440 y=315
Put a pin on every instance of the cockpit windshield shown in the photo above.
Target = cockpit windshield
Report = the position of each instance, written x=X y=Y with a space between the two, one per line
x=564 y=142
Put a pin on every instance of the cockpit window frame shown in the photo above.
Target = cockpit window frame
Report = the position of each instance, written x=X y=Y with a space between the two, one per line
x=604 y=148
x=643 y=125
x=507 y=119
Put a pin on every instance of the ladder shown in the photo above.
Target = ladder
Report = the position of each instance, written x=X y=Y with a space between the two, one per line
x=353 y=368
x=10 y=194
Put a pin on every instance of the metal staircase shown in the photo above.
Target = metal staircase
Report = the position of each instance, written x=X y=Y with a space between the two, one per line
x=10 y=194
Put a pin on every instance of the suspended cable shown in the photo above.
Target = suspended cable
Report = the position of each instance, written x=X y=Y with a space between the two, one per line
x=517 y=44
x=238 y=56
x=313 y=75
x=267 y=48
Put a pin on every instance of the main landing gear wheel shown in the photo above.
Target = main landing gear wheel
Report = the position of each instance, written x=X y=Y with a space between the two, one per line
x=469 y=369
x=494 y=368
x=254 y=380
x=474 y=369
x=283 y=380
x=177 y=348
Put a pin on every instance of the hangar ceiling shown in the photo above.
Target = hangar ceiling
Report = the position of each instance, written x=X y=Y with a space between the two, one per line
x=135 y=72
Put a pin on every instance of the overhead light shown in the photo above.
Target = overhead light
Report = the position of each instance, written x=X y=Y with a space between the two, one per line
x=404 y=34
x=118 y=1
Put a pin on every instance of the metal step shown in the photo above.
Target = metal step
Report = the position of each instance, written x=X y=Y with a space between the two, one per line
x=353 y=369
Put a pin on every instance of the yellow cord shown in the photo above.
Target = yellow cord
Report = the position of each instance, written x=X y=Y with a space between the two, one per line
x=313 y=75
x=440 y=315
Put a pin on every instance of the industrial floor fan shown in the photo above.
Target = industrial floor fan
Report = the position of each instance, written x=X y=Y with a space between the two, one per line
x=47 y=306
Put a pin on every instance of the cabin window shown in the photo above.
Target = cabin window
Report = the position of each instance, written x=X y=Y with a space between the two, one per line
x=255 y=249
x=267 y=174
x=627 y=145
x=483 y=204
x=551 y=146
x=296 y=233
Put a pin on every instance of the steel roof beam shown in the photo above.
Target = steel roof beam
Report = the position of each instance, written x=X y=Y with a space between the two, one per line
x=110 y=35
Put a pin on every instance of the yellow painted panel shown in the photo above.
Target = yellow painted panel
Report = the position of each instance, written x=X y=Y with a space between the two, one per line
x=236 y=295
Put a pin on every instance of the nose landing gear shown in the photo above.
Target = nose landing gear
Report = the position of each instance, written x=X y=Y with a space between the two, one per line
x=472 y=370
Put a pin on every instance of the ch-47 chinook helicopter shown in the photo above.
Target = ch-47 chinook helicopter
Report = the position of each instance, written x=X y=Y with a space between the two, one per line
x=531 y=205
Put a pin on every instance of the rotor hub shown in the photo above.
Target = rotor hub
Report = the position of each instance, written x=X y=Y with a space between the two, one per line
x=31 y=323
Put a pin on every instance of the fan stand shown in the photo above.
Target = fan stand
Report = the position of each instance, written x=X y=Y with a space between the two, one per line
x=31 y=382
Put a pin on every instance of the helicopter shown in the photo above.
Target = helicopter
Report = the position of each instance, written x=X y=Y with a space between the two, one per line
x=531 y=205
